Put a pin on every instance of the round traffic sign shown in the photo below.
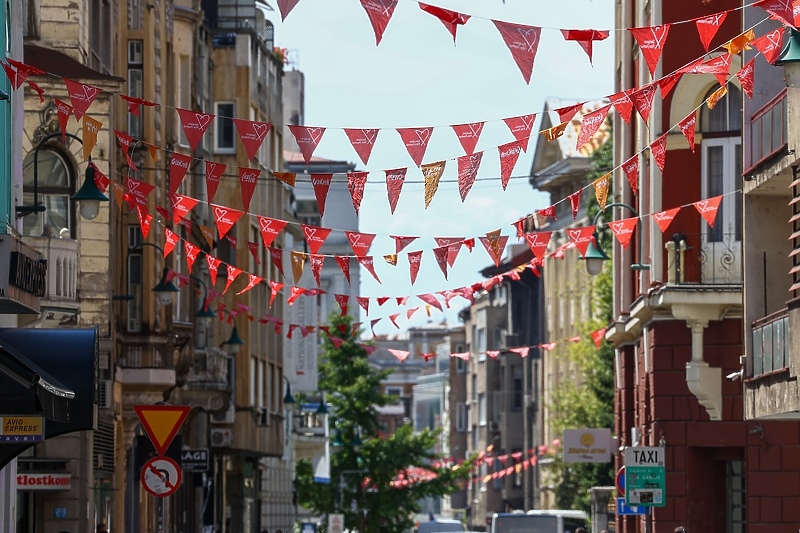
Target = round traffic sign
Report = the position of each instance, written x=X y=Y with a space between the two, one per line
x=620 y=482
x=161 y=476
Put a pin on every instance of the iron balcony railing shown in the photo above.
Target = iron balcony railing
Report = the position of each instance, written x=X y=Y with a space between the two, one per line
x=770 y=343
x=708 y=258
x=146 y=355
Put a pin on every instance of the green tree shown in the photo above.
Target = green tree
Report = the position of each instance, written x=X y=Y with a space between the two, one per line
x=590 y=404
x=364 y=479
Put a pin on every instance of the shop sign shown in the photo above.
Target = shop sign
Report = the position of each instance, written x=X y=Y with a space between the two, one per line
x=23 y=277
x=43 y=481
x=18 y=429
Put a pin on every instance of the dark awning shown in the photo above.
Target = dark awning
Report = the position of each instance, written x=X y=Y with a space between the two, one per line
x=48 y=372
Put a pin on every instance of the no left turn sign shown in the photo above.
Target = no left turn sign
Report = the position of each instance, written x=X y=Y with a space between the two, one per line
x=161 y=476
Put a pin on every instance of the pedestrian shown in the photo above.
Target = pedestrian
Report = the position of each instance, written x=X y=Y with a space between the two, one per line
x=680 y=529
x=101 y=528
x=580 y=530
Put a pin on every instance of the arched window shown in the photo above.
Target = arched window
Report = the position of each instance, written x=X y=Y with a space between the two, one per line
x=722 y=164
x=55 y=184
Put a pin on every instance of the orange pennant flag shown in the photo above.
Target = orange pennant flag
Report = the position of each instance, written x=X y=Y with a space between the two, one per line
x=91 y=127
x=298 y=262
x=287 y=177
x=601 y=186
x=716 y=96
x=551 y=134
x=153 y=151
x=739 y=43
x=208 y=234
x=432 y=172
x=391 y=259
x=119 y=193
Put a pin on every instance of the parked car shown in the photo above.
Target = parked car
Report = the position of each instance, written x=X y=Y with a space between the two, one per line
x=442 y=525
x=539 y=521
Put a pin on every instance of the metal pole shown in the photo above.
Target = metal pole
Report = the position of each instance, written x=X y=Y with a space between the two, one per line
x=648 y=525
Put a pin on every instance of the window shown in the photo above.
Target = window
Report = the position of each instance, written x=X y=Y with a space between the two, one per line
x=516 y=388
x=30 y=22
x=184 y=94
x=394 y=391
x=134 y=285
x=482 y=409
x=253 y=385
x=480 y=345
x=461 y=417
x=461 y=365
x=224 y=128
x=54 y=177
x=736 y=499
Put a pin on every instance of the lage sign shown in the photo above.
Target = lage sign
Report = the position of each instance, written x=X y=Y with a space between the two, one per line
x=194 y=460
x=645 y=475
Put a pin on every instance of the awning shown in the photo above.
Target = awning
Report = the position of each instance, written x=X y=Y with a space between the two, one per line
x=52 y=373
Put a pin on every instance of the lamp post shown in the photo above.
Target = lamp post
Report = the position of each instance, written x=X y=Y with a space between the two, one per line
x=595 y=256
x=88 y=195
x=165 y=290
x=234 y=342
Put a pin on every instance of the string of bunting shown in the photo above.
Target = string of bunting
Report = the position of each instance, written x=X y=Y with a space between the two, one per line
x=523 y=40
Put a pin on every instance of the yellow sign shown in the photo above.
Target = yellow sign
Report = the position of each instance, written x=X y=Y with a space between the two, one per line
x=21 y=428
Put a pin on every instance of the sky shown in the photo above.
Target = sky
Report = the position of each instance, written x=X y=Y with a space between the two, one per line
x=417 y=77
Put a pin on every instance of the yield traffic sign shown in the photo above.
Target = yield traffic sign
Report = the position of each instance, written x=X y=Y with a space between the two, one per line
x=161 y=423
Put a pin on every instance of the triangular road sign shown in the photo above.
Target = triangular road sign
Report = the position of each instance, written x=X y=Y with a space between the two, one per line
x=161 y=422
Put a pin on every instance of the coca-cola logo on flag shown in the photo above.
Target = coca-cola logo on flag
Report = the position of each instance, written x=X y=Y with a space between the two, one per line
x=321 y=184
x=355 y=184
x=687 y=126
x=414 y=261
x=248 y=177
x=394 y=185
x=509 y=155
x=467 y=172
x=745 y=76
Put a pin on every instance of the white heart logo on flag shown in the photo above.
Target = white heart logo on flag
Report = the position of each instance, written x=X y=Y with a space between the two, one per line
x=220 y=213
x=91 y=92
x=315 y=134
x=423 y=135
x=527 y=33
x=370 y=135
x=202 y=120
x=260 y=129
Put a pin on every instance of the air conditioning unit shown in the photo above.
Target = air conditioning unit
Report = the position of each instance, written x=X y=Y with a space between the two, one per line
x=224 y=417
x=105 y=394
x=510 y=340
x=221 y=438
x=493 y=426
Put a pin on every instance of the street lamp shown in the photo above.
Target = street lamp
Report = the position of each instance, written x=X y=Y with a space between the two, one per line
x=89 y=195
x=595 y=256
x=165 y=290
x=205 y=314
x=235 y=341
x=288 y=398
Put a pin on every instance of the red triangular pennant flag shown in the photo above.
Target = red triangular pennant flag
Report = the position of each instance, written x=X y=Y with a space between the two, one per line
x=468 y=166
x=651 y=43
x=582 y=237
x=769 y=45
x=321 y=184
x=708 y=209
x=707 y=27
x=194 y=125
x=687 y=126
x=355 y=183
x=643 y=100
x=623 y=230
x=363 y=141
x=181 y=206
x=315 y=237
x=659 y=150
x=171 y=239
x=253 y=280
x=665 y=218
x=468 y=135
x=270 y=228
x=598 y=336
x=380 y=13
x=364 y=303
x=233 y=273
x=225 y=218
x=344 y=302
x=123 y=139
x=191 y=255
x=509 y=155
x=252 y=134
x=135 y=104
x=307 y=138
x=213 y=268
x=414 y=262
x=144 y=220
x=782 y=10
x=431 y=300
x=401 y=242
x=522 y=41
x=276 y=254
x=81 y=96
x=285 y=7
x=567 y=113
x=538 y=242
x=368 y=263
x=137 y=192
x=344 y=264
x=441 y=259
x=623 y=105
x=274 y=288
x=178 y=166
x=248 y=179
x=495 y=244
x=521 y=128
x=631 y=169
x=394 y=185
x=214 y=173
x=453 y=245
x=317 y=262
x=450 y=19
x=667 y=83
x=360 y=242
x=585 y=38
x=590 y=123
x=64 y=111
x=15 y=76
x=575 y=203
x=745 y=76
x=416 y=142
x=254 y=249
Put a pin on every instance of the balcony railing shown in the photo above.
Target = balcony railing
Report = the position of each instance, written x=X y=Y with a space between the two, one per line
x=709 y=258
x=62 y=267
x=141 y=355
x=770 y=343
x=768 y=131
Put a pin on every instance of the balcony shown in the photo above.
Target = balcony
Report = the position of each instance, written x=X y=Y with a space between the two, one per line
x=768 y=132
x=770 y=337
x=708 y=258
x=146 y=366
x=59 y=305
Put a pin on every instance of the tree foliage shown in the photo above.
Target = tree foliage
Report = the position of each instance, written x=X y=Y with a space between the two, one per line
x=363 y=480
x=590 y=404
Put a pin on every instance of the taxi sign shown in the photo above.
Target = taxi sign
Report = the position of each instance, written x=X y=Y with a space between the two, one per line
x=161 y=476
x=21 y=428
x=645 y=476
x=161 y=423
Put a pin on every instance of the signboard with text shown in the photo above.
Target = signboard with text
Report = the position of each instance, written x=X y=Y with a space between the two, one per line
x=587 y=445
x=645 y=476
x=21 y=428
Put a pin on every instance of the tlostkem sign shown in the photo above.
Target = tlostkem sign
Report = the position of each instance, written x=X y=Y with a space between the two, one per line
x=19 y=429
x=645 y=476
x=161 y=423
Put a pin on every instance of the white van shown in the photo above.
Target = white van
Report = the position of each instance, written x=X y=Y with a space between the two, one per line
x=539 y=521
